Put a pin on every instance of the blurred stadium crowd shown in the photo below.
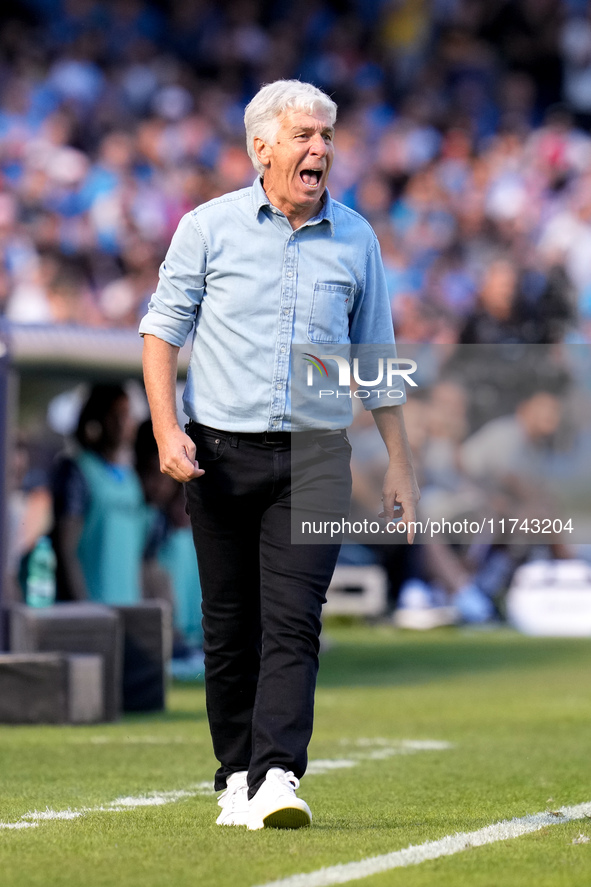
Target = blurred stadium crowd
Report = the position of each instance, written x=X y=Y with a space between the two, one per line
x=462 y=137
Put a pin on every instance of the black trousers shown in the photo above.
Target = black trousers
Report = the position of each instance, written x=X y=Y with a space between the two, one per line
x=262 y=596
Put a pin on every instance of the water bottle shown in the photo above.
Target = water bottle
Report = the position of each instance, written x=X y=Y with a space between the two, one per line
x=40 y=588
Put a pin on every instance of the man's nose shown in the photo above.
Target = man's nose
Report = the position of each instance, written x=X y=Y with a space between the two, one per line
x=318 y=145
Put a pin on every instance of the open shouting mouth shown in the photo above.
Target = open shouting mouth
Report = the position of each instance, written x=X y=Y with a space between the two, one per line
x=311 y=177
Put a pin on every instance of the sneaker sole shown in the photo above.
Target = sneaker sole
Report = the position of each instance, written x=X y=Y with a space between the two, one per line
x=287 y=817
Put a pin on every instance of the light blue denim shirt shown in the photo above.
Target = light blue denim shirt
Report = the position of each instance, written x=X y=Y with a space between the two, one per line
x=247 y=286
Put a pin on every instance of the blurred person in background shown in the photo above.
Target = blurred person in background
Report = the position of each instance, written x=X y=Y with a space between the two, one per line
x=30 y=515
x=100 y=523
x=522 y=444
x=451 y=575
x=501 y=314
x=444 y=588
x=525 y=463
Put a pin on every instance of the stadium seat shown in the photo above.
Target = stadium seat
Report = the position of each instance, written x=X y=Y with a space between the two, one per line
x=51 y=688
x=147 y=633
x=74 y=628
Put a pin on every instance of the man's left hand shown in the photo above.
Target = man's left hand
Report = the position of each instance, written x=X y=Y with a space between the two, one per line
x=400 y=495
x=400 y=484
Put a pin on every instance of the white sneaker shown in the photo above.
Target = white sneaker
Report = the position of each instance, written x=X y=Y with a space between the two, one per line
x=275 y=805
x=234 y=801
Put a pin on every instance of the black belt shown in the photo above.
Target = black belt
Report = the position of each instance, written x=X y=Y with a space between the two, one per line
x=271 y=437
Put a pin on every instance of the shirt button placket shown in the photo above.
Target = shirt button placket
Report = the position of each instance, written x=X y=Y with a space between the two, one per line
x=288 y=301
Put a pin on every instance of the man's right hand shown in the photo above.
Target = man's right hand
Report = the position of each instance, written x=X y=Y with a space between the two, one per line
x=176 y=449
x=177 y=457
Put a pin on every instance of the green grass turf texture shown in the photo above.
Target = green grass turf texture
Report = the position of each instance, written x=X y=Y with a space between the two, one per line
x=516 y=709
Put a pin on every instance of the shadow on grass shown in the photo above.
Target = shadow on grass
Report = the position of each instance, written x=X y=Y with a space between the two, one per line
x=356 y=658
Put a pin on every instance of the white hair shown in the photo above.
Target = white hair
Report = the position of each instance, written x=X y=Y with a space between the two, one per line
x=261 y=117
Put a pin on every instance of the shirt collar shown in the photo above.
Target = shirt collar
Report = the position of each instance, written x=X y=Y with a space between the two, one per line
x=260 y=199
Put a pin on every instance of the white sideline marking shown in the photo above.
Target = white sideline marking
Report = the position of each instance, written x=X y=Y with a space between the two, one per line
x=448 y=846
x=325 y=765
x=373 y=749
x=400 y=744
x=120 y=805
x=139 y=740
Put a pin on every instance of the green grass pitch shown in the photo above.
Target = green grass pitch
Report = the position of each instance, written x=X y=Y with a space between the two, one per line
x=514 y=711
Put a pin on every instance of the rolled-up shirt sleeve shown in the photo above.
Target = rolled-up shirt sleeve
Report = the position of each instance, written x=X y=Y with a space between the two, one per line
x=173 y=307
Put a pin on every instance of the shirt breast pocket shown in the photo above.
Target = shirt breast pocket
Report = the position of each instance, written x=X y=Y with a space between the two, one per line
x=329 y=314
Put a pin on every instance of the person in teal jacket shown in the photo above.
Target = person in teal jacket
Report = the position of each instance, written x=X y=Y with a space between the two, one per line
x=100 y=519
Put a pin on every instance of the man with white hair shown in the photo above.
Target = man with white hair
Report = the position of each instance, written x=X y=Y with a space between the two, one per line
x=250 y=274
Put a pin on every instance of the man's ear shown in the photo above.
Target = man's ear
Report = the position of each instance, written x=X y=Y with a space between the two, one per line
x=262 y=151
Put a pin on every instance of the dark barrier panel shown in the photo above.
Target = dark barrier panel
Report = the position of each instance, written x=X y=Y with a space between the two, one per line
x=4 y=445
